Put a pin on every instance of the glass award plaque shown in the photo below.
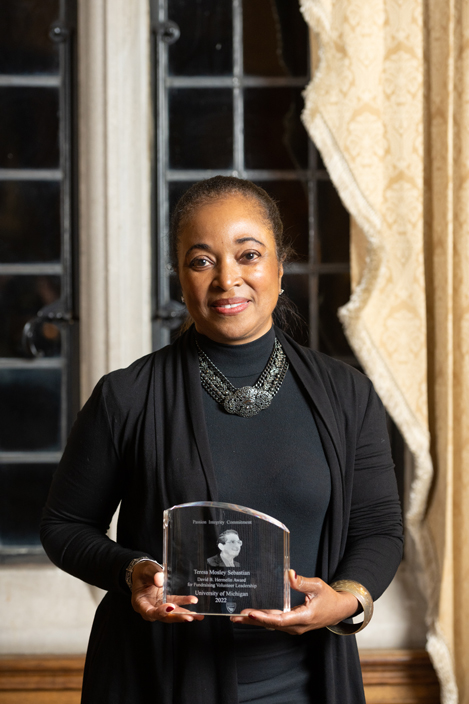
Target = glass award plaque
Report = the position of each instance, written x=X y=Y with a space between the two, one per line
x=230 y=557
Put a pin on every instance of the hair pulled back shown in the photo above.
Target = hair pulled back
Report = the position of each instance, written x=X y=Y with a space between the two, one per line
x=222 y=538
x=218 y=188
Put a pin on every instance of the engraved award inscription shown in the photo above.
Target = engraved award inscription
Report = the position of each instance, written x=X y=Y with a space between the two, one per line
x=230 y=557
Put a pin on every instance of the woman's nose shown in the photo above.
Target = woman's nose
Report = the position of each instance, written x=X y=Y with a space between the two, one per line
x=227 y=275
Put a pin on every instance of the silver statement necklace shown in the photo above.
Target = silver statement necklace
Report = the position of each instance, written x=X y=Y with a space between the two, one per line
x=249 y=400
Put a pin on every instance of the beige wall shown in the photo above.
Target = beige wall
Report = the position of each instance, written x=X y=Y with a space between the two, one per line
x=115 y=140
x=44 y=610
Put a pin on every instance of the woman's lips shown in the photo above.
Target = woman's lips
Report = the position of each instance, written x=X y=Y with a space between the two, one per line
x=230 y=306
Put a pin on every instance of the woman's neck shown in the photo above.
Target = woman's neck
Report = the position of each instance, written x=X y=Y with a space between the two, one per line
x=227 y=562
x=239 y=360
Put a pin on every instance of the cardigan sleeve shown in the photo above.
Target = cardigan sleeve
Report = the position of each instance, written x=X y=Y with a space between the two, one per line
x=375 y=538
x=85 y=492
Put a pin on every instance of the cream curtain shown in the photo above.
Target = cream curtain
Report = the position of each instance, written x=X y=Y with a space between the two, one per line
x=446 y=237
x=389 y=110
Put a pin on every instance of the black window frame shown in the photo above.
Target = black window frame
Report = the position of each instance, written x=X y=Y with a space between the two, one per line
x=167 y=311
x=63 y=312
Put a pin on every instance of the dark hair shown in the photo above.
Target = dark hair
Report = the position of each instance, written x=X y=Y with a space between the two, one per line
x=285 y=314
x=222 y=536
x=220 y=187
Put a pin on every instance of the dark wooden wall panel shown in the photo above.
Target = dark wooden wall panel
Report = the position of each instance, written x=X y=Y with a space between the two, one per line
x=41 y=680
x=399 y=677
x=390 y=677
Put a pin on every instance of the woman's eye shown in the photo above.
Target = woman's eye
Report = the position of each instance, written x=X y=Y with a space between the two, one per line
x=200 y=263
x=251 y=256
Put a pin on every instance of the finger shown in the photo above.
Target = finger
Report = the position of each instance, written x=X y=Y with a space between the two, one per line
x=169 y=613
x=244 y=616
x=185 y=599
x=174 y=614
x=306 y=585
x=146 y=570
x=155 y=599
x=146 y=601
x=172 y=617
x=158 y=579
x=264 y=611
x=265 y=619
x=291 y=621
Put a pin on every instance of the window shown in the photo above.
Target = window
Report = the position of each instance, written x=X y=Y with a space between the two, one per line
x=228 y=78
x=37 y=340
x=228 y=82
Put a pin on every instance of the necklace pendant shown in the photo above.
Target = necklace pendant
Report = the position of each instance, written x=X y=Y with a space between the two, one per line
x=247 y=401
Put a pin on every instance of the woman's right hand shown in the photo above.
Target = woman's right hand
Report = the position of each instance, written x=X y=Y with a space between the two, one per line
x=147 y=597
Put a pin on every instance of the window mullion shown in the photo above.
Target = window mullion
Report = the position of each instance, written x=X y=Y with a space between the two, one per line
x=162 y=164
x=238 y=95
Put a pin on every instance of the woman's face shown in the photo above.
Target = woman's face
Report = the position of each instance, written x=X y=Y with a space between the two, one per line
x=228 y=269
x=231 y=548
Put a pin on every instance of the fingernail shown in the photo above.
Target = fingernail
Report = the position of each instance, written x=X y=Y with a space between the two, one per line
x=293 y=573
x=296 y=576
x=169 y=608
x=254 y=618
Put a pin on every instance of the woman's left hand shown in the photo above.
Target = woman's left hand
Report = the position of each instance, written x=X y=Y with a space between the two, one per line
x=322 y=607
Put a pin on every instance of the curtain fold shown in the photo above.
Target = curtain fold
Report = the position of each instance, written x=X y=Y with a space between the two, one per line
x=446 y=239
x=388 y=108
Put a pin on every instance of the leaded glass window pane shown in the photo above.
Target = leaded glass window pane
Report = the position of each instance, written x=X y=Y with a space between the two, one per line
x=38 y=335
x=238 y=112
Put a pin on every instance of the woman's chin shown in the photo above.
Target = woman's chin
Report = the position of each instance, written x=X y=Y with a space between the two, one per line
x=233 y=330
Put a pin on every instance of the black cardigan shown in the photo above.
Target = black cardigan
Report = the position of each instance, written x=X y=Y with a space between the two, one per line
x=141 y=439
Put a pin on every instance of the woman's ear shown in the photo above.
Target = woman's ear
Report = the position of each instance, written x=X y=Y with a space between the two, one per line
x=280 y=266
x=280 y=274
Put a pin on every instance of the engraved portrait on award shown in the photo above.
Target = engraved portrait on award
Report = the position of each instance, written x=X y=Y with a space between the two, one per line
x=230 y=557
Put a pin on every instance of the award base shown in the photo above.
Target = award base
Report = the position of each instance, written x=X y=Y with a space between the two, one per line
x=230 y=557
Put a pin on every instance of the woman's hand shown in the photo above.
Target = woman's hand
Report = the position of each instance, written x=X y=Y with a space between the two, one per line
x=322 y=607
x=147 y=597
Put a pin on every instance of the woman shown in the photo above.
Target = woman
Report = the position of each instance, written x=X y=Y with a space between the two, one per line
x=230 y=547
x=315 y=456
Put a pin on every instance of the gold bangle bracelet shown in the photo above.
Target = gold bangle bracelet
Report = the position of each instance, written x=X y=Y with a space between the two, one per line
x=363 y=596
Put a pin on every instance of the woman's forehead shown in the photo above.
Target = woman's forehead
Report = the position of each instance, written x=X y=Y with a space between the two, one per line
x=227 y=216
x=229 y=206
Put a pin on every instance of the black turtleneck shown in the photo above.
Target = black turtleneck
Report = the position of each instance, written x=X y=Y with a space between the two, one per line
x=272 y=462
